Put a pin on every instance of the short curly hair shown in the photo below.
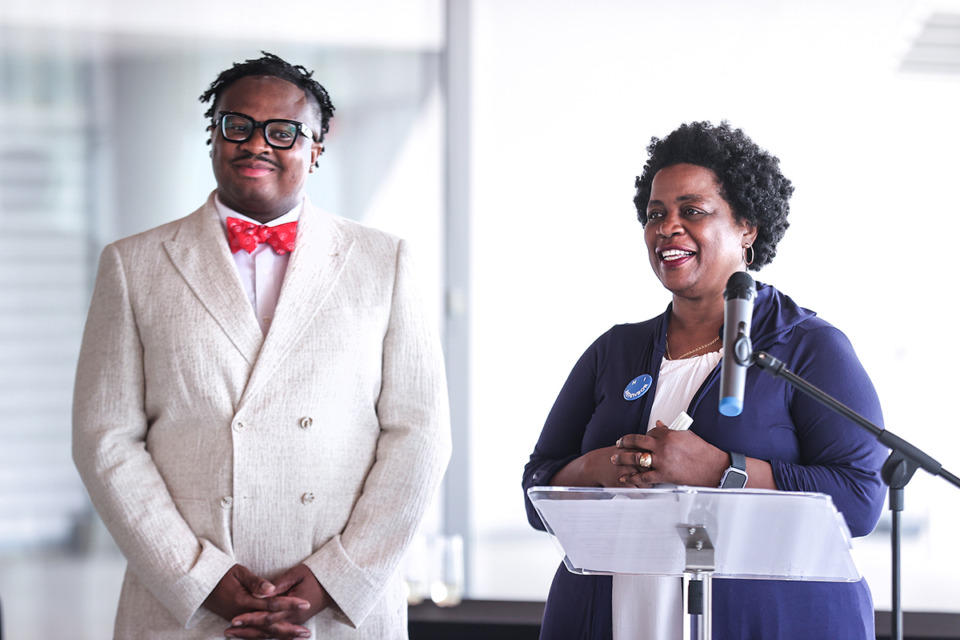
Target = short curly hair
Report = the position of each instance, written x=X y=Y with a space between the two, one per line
x=271 y=65
x=750 y=178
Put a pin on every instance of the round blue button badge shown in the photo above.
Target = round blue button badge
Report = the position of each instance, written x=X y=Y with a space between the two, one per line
x=637 y=387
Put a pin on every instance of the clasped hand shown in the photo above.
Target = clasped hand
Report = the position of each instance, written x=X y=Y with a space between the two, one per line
x=259 y=608
x=677 y=457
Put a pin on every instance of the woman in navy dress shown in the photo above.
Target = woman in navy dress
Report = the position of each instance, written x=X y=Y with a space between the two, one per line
x=713 y=203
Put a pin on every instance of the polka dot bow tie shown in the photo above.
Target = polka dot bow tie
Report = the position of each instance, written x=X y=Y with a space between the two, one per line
x=247 y=235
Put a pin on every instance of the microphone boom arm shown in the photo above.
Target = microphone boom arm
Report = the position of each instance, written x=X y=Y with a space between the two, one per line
x=914 y=457
x=897 y=471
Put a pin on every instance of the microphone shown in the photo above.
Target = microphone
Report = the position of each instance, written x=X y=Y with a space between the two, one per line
x=737 y=349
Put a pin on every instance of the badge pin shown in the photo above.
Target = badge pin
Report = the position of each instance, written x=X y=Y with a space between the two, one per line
x=637 y=387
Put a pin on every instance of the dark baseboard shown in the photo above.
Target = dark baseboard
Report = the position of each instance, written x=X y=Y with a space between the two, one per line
x=921 y=625
x=514 y=620
x=476 y=620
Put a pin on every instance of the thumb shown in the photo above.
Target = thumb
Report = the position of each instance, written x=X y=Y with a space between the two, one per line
x=290 y=578
x=253 y=583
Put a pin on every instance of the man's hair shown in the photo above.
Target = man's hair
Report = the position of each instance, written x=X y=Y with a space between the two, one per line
x=271 y=65
x=749 y=178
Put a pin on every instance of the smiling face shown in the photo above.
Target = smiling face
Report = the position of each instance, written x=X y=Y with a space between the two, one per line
x=693 y=239
x=253 y=178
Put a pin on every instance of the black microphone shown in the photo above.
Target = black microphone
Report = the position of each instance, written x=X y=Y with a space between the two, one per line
x=737 y=349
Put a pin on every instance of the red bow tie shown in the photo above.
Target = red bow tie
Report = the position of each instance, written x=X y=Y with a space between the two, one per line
x=247 y=235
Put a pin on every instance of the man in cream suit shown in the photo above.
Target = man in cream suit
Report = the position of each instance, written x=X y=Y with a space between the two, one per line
x=260 y=421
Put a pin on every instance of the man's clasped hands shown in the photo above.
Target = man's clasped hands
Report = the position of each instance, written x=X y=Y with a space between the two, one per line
x=259 y=608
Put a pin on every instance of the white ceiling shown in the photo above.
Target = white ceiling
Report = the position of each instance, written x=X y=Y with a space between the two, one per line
x=935 y=48
x=915 y=36
x=395 y=24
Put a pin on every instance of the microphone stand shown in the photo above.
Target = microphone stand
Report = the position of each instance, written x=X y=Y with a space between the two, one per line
x=897 y=471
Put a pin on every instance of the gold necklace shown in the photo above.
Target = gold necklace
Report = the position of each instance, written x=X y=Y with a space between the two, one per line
x=703 y=346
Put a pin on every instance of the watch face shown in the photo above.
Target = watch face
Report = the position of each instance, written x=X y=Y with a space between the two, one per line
x=733 y=479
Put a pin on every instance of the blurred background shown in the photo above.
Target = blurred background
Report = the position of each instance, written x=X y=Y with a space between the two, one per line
x=502 y=138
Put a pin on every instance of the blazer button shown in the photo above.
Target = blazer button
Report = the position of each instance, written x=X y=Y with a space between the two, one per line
x=238 y=426
x=306 y=423
x=226 y=501
x=306 y=498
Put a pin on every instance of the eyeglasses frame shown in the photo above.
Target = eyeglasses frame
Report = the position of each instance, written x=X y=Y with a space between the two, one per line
x=300 y=128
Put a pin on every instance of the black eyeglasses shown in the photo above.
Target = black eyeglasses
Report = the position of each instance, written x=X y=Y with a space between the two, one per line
x=279 y=134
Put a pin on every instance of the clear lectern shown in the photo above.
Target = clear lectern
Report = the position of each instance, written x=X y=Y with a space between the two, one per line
x=698 y=533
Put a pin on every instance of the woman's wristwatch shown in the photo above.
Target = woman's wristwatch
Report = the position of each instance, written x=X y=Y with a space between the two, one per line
x=735 y=477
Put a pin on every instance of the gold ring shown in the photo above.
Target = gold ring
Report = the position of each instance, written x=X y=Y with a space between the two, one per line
x=645 y=460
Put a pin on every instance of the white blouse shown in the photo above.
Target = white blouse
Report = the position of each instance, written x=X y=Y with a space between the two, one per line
x=651 y=607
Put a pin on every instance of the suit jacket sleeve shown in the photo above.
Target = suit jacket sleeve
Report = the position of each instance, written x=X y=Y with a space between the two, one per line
x=109 y=448
x=411 y=455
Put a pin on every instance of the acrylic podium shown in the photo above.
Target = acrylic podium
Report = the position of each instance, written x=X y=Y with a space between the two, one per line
x=698 y=533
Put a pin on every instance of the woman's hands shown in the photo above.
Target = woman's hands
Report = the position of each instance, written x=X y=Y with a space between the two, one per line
x=677 y=457
x=681 y=457
x=592 y=469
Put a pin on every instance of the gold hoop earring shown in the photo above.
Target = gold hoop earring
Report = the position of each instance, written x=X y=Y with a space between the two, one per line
x=753 y=255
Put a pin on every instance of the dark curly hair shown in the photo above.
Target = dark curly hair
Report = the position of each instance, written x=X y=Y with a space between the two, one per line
x=271 y=65
x=750 y=178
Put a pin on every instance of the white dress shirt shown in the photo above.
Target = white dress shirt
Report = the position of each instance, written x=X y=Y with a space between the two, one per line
x=261 y=272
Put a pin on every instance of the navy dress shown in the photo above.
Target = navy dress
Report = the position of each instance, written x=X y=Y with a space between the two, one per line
x=809 y=448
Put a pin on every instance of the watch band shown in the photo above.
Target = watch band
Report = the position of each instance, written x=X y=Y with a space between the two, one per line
x=735 y=477
x=738 y=461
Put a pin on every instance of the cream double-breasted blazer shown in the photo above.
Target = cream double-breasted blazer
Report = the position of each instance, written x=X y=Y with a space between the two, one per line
x=204 y=443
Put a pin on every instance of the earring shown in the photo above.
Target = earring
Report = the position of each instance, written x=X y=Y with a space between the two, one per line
x=753 y=254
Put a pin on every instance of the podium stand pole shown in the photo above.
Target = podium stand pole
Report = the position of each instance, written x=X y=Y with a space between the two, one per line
x=697 y=582
x=698 y=604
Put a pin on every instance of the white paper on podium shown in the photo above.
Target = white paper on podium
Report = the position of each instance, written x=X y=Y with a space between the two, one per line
x=756 y=533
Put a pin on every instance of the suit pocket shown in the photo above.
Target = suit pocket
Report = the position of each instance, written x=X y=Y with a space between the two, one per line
x=209 y=518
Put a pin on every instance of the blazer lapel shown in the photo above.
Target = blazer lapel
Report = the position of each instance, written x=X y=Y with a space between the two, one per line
x=201 y=254
x=313 y=270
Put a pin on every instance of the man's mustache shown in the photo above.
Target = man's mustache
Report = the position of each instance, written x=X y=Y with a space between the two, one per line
x=256 y=158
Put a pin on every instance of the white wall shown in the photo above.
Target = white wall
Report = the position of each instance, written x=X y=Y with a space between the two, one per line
x=567 y=94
